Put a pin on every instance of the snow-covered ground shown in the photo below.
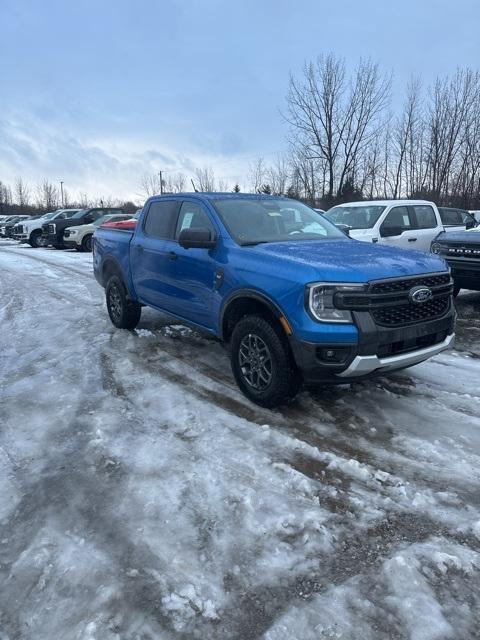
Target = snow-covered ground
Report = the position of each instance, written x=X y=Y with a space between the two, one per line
x=143 y=497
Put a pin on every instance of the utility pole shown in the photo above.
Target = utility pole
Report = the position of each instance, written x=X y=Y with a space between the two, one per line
x=61 y=189
x=161 y=183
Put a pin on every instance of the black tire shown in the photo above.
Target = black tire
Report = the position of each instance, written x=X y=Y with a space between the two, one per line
x=124 y=313
x=87 y=243
x=77 y=248
x=270 y=377
x=34 y=240
x=456 y=290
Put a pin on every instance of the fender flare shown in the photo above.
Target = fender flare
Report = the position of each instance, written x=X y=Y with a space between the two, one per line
x=275 y=309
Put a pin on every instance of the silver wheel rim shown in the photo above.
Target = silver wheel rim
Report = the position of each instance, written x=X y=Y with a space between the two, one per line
x=115 y=302
x=255 y=362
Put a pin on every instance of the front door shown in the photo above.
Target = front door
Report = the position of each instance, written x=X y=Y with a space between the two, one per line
x=193 y=271
x=399 y=218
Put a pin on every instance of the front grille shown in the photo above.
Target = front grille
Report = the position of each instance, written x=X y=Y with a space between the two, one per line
x=405 y=284
x=48 y=229
x=389 y=302
x=471 y=252
x=410 y=313
x=18 y=228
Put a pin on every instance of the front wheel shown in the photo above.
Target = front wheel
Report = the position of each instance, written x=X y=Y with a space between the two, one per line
x=87 y=243
x=124 y=313
x=261 y=362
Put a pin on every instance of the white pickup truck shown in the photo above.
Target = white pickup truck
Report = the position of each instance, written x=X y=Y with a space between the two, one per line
x=409 y=224
x=31 y=230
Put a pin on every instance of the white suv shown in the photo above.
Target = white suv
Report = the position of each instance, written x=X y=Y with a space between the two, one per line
x=31 y=230
x=80 y=238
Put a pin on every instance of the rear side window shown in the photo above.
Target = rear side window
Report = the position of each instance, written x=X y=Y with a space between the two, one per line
x=161 y=219
x=192 y=216
x=398 y=217
x=425 y=216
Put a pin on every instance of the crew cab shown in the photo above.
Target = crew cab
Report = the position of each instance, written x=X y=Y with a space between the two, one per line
x=31 y=230
x=408 y=224
x=461 y=250
x=53 y=231
x=294 y=297
x=80 y=238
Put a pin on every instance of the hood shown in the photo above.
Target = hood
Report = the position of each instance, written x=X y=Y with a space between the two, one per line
x=352 y=260
x=472 y=235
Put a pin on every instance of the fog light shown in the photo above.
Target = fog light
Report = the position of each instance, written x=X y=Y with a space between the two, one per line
x=334 y=355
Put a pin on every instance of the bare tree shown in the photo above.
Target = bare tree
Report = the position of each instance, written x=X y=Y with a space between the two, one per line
x=334 y=118
x=256 y=175
x=47 y=196
x=205 y=179
x=150 y=185
x=22 y=193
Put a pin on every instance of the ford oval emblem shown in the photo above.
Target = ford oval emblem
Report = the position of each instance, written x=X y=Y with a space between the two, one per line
x=419 y=295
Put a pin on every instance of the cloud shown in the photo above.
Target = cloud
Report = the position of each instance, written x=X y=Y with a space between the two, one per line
x=42 y=143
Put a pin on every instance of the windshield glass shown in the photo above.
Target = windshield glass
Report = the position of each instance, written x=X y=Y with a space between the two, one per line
x=251 y=221
x=80 y=213
x=356 y=217
x=47 y=216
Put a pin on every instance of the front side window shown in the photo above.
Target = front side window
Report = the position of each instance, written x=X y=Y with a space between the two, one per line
x=193 y=216
x=251 y=221
x=425 y=216
x=364 y=217
x=161 y=219
x=398 y=218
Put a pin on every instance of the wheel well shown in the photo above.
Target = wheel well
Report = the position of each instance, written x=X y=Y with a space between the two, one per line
x=244 y=306
x=110 y=268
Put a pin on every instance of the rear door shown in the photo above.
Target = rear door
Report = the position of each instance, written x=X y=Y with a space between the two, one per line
x=426 y=224
x=152 y=252
x=399 y=218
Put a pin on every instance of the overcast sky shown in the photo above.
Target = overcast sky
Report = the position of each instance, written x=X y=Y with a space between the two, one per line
x=100 y=92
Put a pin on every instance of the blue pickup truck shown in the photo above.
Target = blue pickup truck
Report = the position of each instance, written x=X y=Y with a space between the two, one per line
x=296 y=300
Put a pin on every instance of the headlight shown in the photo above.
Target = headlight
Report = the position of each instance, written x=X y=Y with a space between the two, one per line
x=436 y=247
x=321 y=303
x=72 y=232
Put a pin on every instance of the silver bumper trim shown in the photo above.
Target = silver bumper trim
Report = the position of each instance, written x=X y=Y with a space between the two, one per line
x=361 y=365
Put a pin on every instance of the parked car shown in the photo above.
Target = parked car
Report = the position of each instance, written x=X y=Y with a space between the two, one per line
x=293 y=296
x=458 y=218
x=52 y=231
x=461 y=250
x=80 y=238
x=408 y=224
x=6 y=227
x=31 y=230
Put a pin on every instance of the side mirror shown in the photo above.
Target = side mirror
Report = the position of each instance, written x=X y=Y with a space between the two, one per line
x=196 y=239
x=88 y=219
x=471 y=223
x=389 y=232
x=344 y=228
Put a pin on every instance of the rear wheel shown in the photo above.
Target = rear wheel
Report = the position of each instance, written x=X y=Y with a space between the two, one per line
x=87 y=243
x=261 y=362
x=124 y=313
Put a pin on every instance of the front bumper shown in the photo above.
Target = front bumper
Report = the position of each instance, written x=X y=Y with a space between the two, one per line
x=70 y=244
x=51 y=238
x=465 y=273
x=378 y=350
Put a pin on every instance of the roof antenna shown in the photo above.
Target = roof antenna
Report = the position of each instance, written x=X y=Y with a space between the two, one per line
x=193 y=185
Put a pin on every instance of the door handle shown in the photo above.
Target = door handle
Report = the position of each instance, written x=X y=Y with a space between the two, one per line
x=172 y=255
x=412 y=239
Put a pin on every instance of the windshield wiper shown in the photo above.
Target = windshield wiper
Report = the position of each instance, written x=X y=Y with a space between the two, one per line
x=252 y=243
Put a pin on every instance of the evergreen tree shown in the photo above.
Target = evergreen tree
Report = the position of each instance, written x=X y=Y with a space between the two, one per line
x=236 y=188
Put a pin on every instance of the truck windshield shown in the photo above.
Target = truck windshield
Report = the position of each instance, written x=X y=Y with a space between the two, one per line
x=254 y=221
x=356 y=217
x=80 y=213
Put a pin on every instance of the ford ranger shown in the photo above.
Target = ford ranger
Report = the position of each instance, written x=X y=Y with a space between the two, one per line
x=294 y=297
